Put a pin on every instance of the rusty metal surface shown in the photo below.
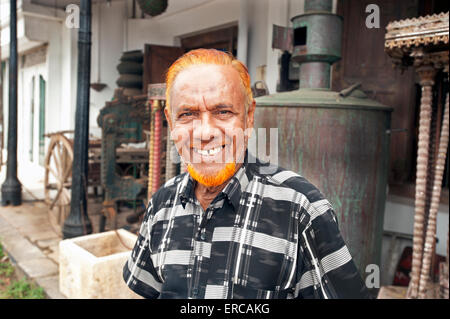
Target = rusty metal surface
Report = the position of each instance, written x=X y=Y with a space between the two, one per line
x=321 y=98
x=323 y=38
x=317 y=43
x=318 y=5
x=282 y=38
x=343 y=150
x=315 y=75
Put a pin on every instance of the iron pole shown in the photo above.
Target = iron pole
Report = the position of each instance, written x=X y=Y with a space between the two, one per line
x=78 y=223
x=11 y=188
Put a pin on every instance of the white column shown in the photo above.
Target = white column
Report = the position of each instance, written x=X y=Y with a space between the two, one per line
x=243 y=32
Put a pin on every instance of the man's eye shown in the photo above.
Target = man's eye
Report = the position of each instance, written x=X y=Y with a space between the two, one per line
x=185 y=114
x=224 y=112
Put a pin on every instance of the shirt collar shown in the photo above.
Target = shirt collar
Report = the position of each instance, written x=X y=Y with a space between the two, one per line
x=236 y=186
x=233 y=190
x=186 y=189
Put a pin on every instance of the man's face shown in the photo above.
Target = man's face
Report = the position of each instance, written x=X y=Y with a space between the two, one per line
x=208 y=118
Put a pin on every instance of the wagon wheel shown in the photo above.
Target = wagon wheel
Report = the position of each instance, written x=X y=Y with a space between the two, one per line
x=58 y=180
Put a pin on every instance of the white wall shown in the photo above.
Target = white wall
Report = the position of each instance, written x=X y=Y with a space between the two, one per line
x=69 y=58
x=257 y=35
x=399 y=217
x=111 y=46
x=165 y=29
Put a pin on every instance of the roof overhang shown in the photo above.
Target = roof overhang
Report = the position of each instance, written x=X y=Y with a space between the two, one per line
x=35 y=25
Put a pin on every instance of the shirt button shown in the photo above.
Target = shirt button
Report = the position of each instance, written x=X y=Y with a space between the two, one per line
x=203 y=236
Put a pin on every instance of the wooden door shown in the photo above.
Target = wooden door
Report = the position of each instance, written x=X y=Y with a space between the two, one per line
x=224 y=39
x=157 y=59
x=364 y=60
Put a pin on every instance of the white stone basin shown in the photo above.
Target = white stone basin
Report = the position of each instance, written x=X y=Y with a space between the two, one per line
x=90 y=266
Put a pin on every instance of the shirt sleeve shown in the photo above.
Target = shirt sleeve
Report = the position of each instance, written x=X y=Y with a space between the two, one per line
x=139 y=273
x=326 y=269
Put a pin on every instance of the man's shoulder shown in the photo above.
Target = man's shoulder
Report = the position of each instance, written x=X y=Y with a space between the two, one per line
x=281 y=177
x=310 y=197
x=173 y=183
x=286 y=179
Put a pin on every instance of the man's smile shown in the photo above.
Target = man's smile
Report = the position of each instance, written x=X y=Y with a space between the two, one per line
x=209 y=152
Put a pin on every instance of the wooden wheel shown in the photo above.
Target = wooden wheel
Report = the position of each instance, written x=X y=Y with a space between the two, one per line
x=58 y=180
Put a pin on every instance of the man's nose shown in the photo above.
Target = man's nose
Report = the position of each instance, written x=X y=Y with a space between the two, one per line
x=204 y=128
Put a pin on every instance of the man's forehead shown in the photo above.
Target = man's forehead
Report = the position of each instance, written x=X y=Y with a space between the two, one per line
x=207 y=80
x=199 y=88
x=205 y=75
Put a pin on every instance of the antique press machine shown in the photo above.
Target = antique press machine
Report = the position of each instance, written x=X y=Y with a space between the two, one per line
x=130 y=173
x=122 y=121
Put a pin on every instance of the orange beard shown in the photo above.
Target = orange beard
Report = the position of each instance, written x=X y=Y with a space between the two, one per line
x=213 y=180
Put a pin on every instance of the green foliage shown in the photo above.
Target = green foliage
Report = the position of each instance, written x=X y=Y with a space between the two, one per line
x=16 y=289
x=6 y=269
x=23 y=290
x=2 y=254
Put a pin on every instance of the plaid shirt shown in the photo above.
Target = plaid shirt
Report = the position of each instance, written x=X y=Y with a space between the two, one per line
x=266 y=235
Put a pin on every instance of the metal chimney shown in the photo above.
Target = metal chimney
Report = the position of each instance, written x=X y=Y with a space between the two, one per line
x=316 y=43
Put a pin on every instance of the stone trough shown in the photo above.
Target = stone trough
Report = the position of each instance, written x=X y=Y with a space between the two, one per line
x=90 y=267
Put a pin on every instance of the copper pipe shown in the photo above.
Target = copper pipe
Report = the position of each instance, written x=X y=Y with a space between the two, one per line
x=421 y=181
x=437 y=187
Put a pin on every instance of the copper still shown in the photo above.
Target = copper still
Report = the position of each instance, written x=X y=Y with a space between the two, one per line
x=339 y=141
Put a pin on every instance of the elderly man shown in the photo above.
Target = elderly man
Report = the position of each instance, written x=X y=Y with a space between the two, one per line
x=230 y=227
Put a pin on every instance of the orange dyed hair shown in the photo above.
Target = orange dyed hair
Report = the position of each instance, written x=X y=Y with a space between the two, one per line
x=213 y=180
x=208 y=56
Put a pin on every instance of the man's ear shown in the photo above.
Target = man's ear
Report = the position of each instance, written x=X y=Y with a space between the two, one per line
x=251 y=114
x=168 y=117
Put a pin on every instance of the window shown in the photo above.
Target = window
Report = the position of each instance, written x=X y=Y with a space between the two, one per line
x=42 y=85
x=31 y=145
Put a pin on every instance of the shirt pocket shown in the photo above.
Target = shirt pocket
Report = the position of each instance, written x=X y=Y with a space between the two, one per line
x=243 y=292
x=265 y=270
